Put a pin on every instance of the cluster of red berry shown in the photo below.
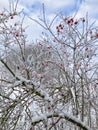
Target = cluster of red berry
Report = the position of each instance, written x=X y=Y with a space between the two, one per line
x=70 y=21
x=59 y=27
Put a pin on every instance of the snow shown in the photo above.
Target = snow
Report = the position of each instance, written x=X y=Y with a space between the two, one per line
x=68 y=117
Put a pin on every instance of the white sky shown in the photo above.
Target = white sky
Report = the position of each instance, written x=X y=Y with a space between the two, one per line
x=33 y=8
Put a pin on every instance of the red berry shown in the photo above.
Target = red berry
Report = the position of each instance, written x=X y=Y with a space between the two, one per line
x=72 y=20
x=53 y=124
x=57 y=27
x=64 y=52
x=86 y=64
x=17 y=35
x=76 y=22
x=11 y=17
x=97 y=35
x=49 y=108
x=49 y=47
x=54 y=40
x=58 y=30
x=46 y=64
x=1 y=14
x=91 y=37
x=86 y=49
x=62 y=94
x=60 y=25
x=68 y=22
x=15 y=24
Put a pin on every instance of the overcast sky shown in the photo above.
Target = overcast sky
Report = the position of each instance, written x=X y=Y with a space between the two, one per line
x=33 y=8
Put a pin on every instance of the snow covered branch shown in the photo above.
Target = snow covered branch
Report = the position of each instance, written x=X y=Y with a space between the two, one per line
x=65 y=116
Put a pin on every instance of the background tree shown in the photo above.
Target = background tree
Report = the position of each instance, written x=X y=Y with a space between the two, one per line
x=51 y=84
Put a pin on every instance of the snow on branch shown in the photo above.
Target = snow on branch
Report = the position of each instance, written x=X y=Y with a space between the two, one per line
x=65 y=116
x=35 y=89
x=26 y=83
